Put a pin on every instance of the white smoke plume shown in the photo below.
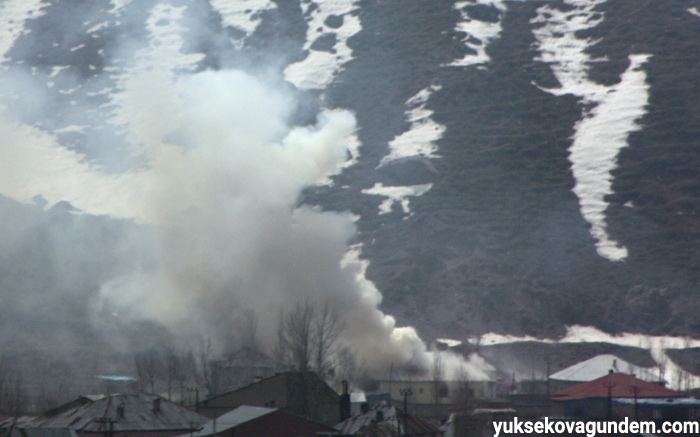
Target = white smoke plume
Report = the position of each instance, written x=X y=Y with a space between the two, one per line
x=231 y=238
x=213 y=178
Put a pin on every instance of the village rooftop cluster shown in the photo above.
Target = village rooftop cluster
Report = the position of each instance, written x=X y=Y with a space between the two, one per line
x=256 y=398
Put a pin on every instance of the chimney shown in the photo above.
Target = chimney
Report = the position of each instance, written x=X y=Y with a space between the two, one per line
x=364 y=408
x=120 y=411
x=345 y=403
x=380 y=415
x=156 y=405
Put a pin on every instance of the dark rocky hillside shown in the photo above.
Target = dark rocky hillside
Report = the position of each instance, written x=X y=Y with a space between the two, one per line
x=498 y=243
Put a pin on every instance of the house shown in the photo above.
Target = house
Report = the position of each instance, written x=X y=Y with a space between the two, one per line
x=247 y=421
x=302 y=393
x=422 y=392
x=387 y=421
x=596 y=399
x=136 y=415
x=598 y=367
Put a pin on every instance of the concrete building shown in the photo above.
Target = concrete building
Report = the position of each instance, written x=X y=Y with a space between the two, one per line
x=424 y=392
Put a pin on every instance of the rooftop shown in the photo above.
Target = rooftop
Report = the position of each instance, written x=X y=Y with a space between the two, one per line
x=599 y=366
x=620 y=385
x=385 y=420
x=233 y=419
x=134 y=412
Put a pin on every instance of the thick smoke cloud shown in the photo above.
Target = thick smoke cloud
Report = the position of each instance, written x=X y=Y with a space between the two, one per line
x=209 y=169
x=231 y=238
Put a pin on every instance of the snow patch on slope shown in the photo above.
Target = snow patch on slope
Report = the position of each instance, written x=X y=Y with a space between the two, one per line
x=148 y=77
x=40 y=165
x=396 y=194
x=604 y=129
x=242 y=14
x=419 y=140
x=319 y=68
x=479 y=33
x=13 y=16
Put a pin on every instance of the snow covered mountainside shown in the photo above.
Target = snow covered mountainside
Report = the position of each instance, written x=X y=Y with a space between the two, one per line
x=513 y=167
x=566 y=188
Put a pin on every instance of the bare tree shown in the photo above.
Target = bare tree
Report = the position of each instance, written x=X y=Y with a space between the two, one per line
x=307 y=336
x=248 y=330
x=148 y=367
x=297 y=334
x=56 y=382
x=14 y=396
x=348 y=368
x=437 y=374
x=173 y=370
x=4 y=379
x=327 y=328
x=187 y=374
x=281 y=349
x=205 y=371
x=464 y=395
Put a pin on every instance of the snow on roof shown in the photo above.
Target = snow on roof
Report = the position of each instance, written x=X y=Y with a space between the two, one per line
x=124 y=412
x=358 y=397
x=600 y=366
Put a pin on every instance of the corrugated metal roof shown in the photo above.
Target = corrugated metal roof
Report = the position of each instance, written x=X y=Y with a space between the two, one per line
x=289 y=378
x=126 y=413
x=43 y=432
x=8 y=421
x=620 y=386
x=599 y=366
x=234 y=418
x=392 y=421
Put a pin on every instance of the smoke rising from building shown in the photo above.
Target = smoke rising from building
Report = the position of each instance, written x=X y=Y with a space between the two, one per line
x=209 y=167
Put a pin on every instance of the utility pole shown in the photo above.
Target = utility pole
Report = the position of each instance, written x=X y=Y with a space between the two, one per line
x=635 y=389
x=609 y=386
x=405 y=392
